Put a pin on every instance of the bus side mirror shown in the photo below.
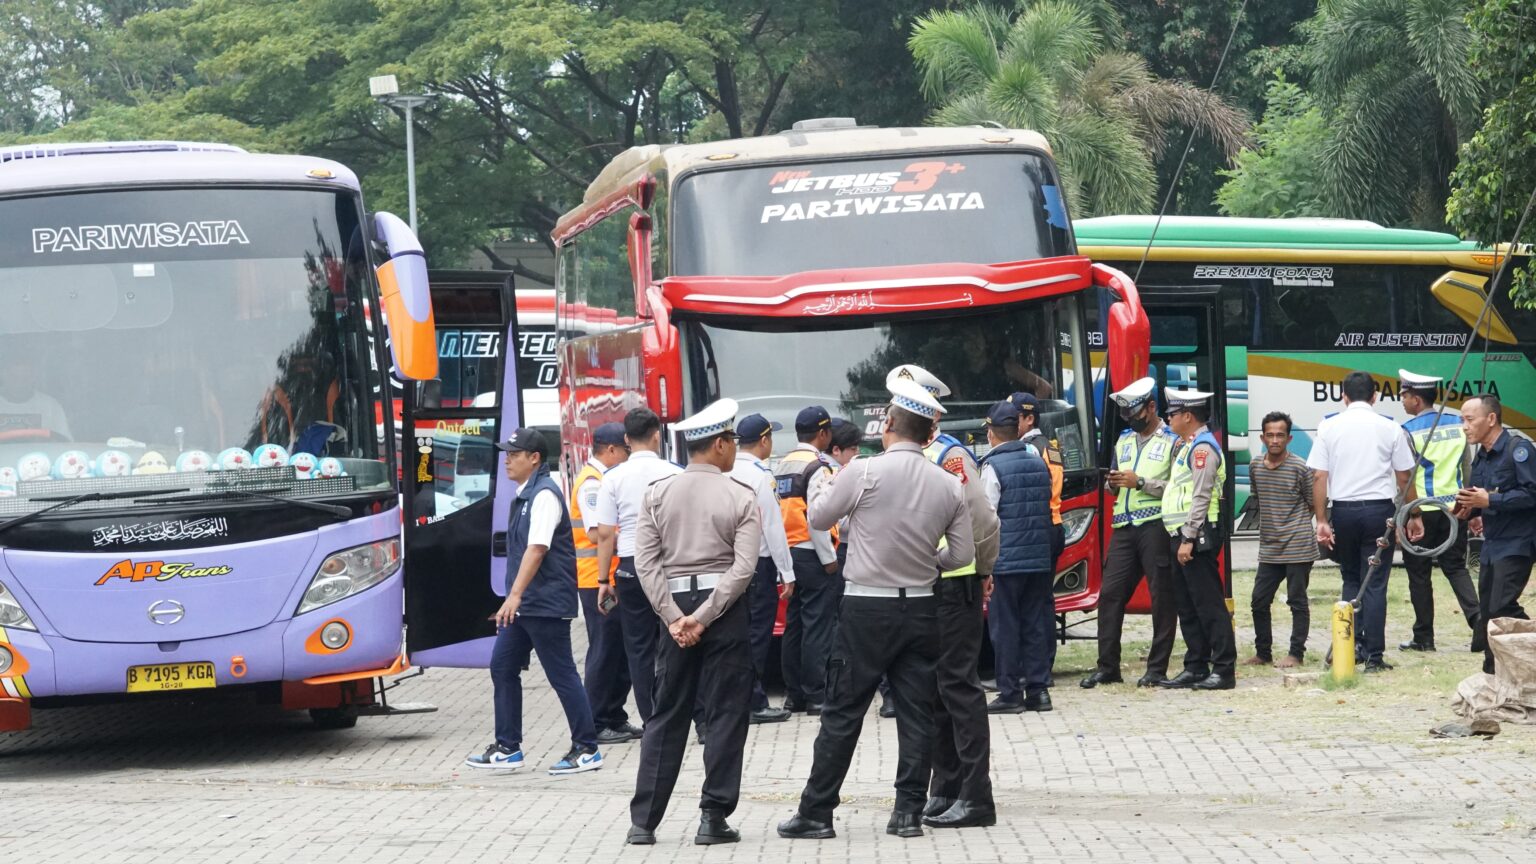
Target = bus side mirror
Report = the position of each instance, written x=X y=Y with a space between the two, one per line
x=638 y=246
x=1128 y=330
x=429 y=394
x=662 y=358
x=407 y=300
x=1465 y=294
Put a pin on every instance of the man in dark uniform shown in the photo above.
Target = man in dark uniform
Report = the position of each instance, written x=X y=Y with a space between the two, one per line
x=695 y=554
x=1499 y=500
x=1192 y=517
x=899 y=506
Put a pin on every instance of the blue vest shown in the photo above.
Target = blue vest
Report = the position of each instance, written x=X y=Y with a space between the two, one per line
x=552 y=593
x=1023 y=509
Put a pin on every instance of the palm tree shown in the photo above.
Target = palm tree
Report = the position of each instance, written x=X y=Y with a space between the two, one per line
x=1057 y=66
x=1395 y=78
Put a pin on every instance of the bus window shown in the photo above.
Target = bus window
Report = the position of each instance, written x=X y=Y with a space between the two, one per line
x=601 y=262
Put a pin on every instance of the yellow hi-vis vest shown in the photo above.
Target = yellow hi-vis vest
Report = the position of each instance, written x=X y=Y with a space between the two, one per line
x=586 y=550
x=939 y=452
x=1152 y=461
x=1180 y=493
x=1440 y=458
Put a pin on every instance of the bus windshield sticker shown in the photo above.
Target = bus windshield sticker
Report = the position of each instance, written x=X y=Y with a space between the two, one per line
x=1277 y=275
x=143 y=235
x=869 y=193
x=170 y=530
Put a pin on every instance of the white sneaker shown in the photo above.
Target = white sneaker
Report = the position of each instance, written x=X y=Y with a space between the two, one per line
x=497 y=757
x=575 y=762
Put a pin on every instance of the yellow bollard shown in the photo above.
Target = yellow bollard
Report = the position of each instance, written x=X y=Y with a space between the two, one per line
x=1343 y=641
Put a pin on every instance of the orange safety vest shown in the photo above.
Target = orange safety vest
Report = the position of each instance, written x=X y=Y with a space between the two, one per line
x=586 y=550
x=792 y=481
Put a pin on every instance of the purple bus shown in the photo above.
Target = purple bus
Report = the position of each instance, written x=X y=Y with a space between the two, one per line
x=202 y=413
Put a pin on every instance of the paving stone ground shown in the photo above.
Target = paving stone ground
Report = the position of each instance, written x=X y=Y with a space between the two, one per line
x=1263 y=773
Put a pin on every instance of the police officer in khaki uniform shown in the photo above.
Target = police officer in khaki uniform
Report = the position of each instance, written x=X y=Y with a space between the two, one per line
x=899 y=507
x=695 y=554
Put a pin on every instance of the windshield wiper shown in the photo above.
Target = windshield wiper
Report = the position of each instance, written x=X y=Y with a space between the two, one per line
x=336 y=510
x=61 y=503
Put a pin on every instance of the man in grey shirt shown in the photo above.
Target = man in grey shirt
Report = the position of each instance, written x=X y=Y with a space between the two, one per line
x=899 y=505
x=696 y=547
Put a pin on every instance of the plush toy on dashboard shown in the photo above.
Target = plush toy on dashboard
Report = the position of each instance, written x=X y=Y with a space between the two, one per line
x=72 y=465
x=33 y=466
x=330 y=466
x=270 y=456
x=152 y=463
x=8 y=480
x=233 y=459
x=304 y=465
x=113 y=463
x=194 y=460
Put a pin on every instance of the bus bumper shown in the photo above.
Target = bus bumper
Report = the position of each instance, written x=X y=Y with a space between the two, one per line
x=286 y=650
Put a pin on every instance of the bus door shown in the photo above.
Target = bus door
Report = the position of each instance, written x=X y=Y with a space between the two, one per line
x=456 y=498
x=1188 y=353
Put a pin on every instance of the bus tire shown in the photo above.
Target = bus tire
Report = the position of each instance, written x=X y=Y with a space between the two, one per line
x=344 y=717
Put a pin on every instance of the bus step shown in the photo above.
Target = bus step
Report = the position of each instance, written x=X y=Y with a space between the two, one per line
x=394 y=708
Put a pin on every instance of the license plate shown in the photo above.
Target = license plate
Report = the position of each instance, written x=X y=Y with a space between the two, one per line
x=170 y=676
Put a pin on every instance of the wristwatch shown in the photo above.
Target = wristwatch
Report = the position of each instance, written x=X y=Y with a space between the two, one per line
x=1141 y=483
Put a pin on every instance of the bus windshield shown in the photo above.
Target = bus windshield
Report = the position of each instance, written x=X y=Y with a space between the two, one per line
x=991 y=208
x=179 y=332
x=775 y=368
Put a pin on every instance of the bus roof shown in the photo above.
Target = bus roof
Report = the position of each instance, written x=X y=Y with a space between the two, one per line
x=1231 y=232
x=821 y=142
x=37 y=168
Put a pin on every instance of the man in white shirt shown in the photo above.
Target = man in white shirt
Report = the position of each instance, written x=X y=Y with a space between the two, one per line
x=775 y=576
x=618 y=509
x=22 y=405
x=1362 y=462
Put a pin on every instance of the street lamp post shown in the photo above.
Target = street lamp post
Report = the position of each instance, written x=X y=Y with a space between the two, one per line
x=386 y=89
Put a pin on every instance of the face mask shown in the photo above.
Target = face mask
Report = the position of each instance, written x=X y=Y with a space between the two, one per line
x=1134 y=417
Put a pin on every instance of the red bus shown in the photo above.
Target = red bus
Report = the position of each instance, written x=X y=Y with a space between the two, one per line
x=798 y=268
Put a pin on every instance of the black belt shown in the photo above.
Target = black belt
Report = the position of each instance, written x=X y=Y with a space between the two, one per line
x=1369 y=502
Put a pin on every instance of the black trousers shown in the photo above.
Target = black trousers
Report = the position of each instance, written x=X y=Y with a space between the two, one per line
x=642 y=632
x=1500 y=586
x=962 y=744
x=1356 y=527
x=1022 y=617
x=762 y=608
x=1203 y=616
x=1265 y=583
x=716 y=674
x=606 y=672
x=1453 y=563
x=1135 y=550
x=810 y=623
x=898 y=638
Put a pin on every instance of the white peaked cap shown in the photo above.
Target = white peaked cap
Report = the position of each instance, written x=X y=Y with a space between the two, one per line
x=1135 y=393
x=910 y=396
x=1185 y=398
x=1417 y=381
x=716 y=418
x=927 y=380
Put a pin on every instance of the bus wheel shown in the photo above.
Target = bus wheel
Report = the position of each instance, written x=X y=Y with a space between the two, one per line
x=344 y=717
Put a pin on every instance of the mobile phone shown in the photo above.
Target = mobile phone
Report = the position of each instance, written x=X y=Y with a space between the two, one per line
x=607 y=603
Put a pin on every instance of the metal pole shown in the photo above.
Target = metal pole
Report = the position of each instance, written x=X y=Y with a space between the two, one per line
x=410 y=164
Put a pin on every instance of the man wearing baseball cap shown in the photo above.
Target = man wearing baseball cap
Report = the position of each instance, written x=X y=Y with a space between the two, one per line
x=775 y=575
x=808 y=619
x=536 y=617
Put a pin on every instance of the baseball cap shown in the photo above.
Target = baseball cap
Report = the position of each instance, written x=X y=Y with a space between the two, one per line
x=1004 y=413
x=812 y=418
x=754 y=426
x=1025 y=402
x=609 y=433
x=525 y=440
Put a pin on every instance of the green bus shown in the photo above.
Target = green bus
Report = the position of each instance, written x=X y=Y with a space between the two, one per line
x=1281 y=309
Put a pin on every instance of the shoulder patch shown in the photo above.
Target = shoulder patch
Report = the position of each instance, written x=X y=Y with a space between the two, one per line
x=1522 y=453
x=956 y=466
x=1198 y=457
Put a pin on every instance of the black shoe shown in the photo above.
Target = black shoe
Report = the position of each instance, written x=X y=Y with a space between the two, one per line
x=935 y=806
x=1376 y=666
x=905 y=824
x=798 y=827
x=769 y=714
x=1100 y=677
x=1216 y=682
x=813 y=709
x=1416 y=645
x=613 y=735
x=1040 y=700
x=713 y=829
x=698 y=735
x=638 y=836
x=964 y=814
x=1006 y=706
x=793 y=706
x=1152 y=679
x=1184 y=680
x=887 y=709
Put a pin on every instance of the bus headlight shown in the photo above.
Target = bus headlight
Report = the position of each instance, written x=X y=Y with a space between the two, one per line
x=351 y=571
x=1076 y=523
x=11 y=613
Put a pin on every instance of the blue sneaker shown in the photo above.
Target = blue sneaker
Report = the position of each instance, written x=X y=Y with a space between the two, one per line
x=577 y=761
x=498 y=757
